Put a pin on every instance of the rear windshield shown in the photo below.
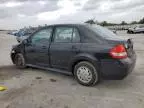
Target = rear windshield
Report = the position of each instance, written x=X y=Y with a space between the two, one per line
x=103 y=32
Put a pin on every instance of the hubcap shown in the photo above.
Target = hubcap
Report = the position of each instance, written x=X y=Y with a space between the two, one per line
x=84 y=74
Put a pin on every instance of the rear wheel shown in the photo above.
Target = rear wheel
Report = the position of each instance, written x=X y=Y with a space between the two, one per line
x=20 y=61
x=86 y=74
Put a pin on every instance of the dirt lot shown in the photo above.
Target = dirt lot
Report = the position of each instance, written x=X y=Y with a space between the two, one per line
x=35 y=88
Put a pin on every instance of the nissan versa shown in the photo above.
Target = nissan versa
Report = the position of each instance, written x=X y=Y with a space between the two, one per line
x=89 y=52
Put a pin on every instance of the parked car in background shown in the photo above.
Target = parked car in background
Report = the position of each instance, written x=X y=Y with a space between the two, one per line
x=137 y=29
x=13 y=32
x=23 y=34
x=88 y=52
x=20 y=38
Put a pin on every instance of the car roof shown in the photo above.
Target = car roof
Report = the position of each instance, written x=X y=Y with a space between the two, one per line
x=78 y=24
x=54 y=25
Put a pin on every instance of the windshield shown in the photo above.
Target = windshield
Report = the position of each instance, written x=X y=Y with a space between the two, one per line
x=103 y=32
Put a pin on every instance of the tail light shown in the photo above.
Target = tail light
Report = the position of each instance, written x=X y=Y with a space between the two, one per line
x=118 y=52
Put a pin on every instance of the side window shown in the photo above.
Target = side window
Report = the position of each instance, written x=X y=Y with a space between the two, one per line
x=76 y=36
x=43 y=36
x=63 y=34
x=141 y=26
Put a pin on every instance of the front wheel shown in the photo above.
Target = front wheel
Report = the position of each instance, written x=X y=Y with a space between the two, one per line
x=20 y=61
x=128 y=32
x=86 y=74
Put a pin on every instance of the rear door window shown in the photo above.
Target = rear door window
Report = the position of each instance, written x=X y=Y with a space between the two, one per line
x=63 y=34
x=76 y=36
x=103 y=32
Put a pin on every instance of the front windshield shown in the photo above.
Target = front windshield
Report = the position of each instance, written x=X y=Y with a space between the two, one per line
x=103 y=32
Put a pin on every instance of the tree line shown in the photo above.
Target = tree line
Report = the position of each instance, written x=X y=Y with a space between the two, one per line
x=105 y=23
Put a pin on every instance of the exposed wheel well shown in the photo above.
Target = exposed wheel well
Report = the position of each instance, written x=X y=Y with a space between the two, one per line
x=76 y=62
x=13 y=57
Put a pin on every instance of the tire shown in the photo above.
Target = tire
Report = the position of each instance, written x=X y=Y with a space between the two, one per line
x=85 y=69
x=19 y=61
x=128 y=32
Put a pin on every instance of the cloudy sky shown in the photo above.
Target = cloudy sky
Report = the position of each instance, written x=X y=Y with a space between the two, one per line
x=20 y=13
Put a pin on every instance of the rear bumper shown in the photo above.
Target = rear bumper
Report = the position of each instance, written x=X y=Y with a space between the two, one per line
x=117 y=69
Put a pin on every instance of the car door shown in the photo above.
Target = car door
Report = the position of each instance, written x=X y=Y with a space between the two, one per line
x=37 y=50
x=142 y=29
x=66 y=45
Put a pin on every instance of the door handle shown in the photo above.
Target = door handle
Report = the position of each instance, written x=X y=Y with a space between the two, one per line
x=44 y=47
x=74 y=47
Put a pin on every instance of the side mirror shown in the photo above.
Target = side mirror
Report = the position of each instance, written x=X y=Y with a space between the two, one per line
x=25 y=41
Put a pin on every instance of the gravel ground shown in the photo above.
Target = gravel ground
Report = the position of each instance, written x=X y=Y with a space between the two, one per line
x=35 y=88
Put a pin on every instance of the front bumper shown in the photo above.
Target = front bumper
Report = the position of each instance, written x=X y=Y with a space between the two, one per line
x=117 y=69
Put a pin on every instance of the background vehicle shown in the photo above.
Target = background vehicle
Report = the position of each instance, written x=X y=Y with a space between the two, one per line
x=20 y=38
x=13 y=32
x=137 y=29
x=88 y=52
x=22 y=35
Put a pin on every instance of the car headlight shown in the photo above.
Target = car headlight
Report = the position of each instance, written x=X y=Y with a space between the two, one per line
x=13 y=51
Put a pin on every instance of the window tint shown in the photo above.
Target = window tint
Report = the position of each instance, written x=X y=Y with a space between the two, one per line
x=43 y=36
x=76 y=36
x=103 y=32
x=63 y=34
